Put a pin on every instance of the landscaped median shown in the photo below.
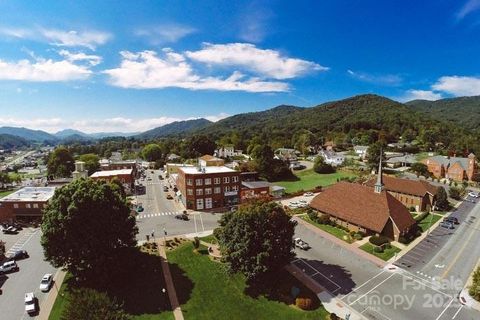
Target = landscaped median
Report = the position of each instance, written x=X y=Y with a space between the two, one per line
x=387 y=253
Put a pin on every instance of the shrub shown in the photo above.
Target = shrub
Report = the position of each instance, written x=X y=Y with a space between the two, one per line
x=333 y=316
x=377 y=249
x=324 y=219
x=421 y=216
x=217 y=233
x=358 y=236
x=403 y=240
x=379 y=240
x=312 y=215
x=304 y=303
x=412 y=209
x=352 y=233
x=474 y=289
x=196 y=242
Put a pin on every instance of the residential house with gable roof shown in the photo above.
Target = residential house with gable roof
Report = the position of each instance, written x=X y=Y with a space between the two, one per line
x=453 y=168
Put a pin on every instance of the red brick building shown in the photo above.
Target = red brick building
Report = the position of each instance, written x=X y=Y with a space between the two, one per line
x=454 y=168
x=125 y=176
x=208 y=188
x=26 y=204
x=418 y=194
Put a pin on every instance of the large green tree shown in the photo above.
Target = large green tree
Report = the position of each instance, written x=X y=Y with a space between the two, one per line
x=442 y=199
x=85 y=303
x=373 y=154
x=60 y=163
x=420 y=169
x=85 y=226
x=91 y=162
x=152 y=152
x=257 y=239
x=319 y=166
x=198 y=145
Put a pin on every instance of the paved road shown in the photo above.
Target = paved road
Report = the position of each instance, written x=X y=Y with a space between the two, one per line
x=26 y=280
x=159 y=213
x=397 y=294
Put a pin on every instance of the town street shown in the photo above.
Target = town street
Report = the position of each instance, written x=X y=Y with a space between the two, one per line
x=27 y=279
x=159 y=212
x=428 y=291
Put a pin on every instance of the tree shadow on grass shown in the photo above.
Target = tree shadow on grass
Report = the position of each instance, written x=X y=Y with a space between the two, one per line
x=282 y=287
x=137 y=281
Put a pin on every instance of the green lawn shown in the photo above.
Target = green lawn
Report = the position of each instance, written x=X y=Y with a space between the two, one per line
x=387 y=254
x=337 y=232
x=309 y=179
x=5 y=193
x=215 y=294
x=428 y=221
x=140 y=292
x=210 y=239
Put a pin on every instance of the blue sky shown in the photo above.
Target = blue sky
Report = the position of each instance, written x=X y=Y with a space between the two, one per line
x=131 y=66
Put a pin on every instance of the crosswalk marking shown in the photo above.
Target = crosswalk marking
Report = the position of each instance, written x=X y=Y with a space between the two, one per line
x=21 y=242
x=153 y=215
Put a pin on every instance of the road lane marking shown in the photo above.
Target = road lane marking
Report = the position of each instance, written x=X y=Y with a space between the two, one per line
x=448 y=306
x=372 y=289
x=458 y=311
x=363 y=284
x=454 y=261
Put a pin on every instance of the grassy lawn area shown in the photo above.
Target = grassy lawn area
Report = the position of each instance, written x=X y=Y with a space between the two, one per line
x=215 y=294
x=140 y=291
x=428 y=221
x=210 y=239
x=385 y=255
x=5 y=193
x=309 y=179
x=339 y=233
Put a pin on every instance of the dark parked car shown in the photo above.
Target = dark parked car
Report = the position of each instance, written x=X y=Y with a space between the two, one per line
x=19 y=254
x=10 y=230
x=165 y=188
x=451 y=220
x=169 y=197
x=447 y=225
x=182 y=216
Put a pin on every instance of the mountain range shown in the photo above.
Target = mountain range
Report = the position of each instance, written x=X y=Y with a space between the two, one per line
x=361 y=112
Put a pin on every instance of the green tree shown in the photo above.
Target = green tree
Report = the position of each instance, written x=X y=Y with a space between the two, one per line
x=198 y=145
x=420 y=169
x=455 y=193
x=91 y=162
x=442 y=199
x=60 y=163
x=257 y=239
x=152 y=152
x=319 y=166
x=4 y=179
x=474 y=289
x=85 y=226
x=373 y=154
x=85 y=303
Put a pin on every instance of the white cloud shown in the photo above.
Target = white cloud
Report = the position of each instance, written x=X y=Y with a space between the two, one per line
x=147 y=70
x=91 y=59
x=458 y=85
x=165 y=33
x=265 y=62
x=383 y=79
x=42 y=70
x=116 y=124
x=468 y=7
x=253 y=23
x=61 y=38
x=420 y=95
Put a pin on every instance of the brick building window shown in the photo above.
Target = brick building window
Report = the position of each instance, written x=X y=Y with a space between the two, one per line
x=35 y=205
x=199 y=192
x=216 y=180
x=189 y=192
x=227 y=188
x=217 y=190
x=199 y=182
x=234 y=179
x=208 y=191
x=189 y=182
x=208 y=181
x=28 y=205
x=15 y=205
x=226 y=179
x=234 y=188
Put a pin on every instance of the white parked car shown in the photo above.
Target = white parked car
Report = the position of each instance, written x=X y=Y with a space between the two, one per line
x=301 y=244
x=302 y=201
x=473 y=194
x=30 y=303
x=9 y=266
x=293 y=204
x=308 y=194
x=46 y=282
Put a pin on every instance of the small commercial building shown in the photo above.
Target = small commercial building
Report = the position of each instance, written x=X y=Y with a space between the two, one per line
x=208 y=187
x=210 y=161
x=26 y=204
x=254 y=190
x=125 y=176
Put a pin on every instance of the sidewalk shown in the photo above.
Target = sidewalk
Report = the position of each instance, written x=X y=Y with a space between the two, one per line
x=330 y=302
x=47 y=304
x=351 y=247
x=465 y=297
x=172 y=294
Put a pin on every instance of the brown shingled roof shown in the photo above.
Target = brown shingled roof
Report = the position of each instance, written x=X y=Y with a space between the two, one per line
x=360 y=205
x=405 y=186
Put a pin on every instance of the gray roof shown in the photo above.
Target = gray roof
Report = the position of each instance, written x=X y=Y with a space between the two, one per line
x=447 y=162
x=256 y=184
x=277 y=188
x=408 y=158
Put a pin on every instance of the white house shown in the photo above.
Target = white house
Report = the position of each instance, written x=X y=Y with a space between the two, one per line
x=361 y=151
x=332 y=158
x=227 y=152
